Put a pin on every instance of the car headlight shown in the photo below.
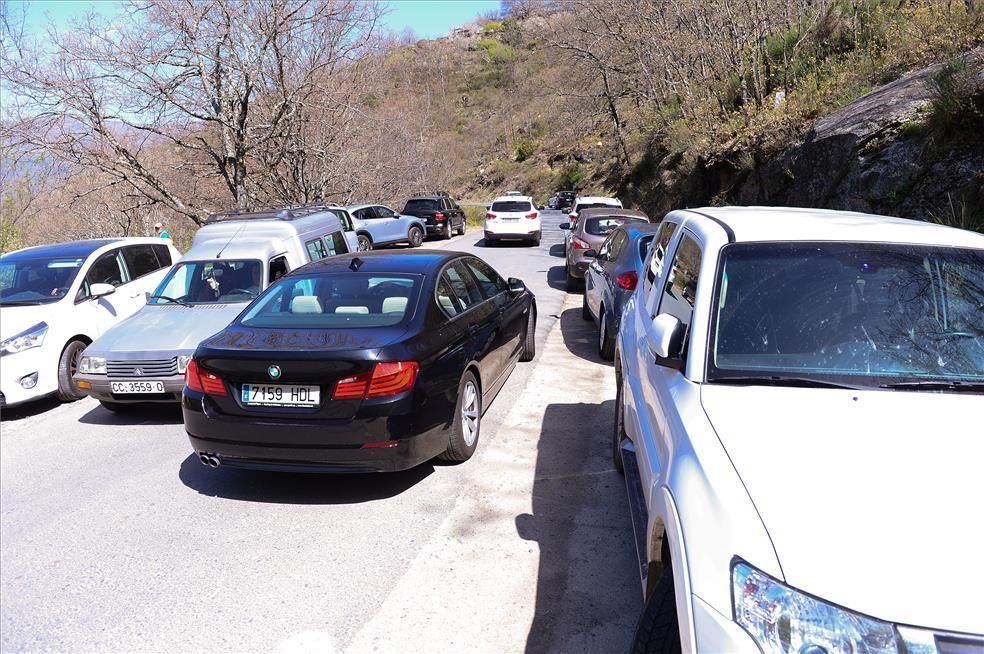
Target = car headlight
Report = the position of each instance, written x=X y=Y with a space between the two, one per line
x=784 y=620
x=30 y=337
x=183 y=363
x=93 y=365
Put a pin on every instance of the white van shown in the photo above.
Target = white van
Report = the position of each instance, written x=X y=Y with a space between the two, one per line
x=56 y=299
x=232 y=259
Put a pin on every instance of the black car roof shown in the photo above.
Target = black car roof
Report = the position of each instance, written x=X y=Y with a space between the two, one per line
x=413 y=261
x=70 y=249
x=427 y=197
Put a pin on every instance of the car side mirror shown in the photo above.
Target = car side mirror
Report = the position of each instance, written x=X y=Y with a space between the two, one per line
x=516 y=286
x=101 y=290
x=590 y=254
x=541 y=207
x=565 y=225
x=667 y=340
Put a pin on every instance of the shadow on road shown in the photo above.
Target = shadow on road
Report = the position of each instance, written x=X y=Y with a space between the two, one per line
x=296 y=488
x=506 y=244
x=580 y=336
x=587 y=596
x=557 y=278
x=29 y=409
x=136 y=414
x=557 y=250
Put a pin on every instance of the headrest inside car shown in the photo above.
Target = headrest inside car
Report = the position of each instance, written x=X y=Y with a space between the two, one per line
x=305 y=304
x=351 y=309
x=394 y=304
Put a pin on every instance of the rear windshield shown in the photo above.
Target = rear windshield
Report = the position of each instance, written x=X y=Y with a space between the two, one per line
x=596 y=205
x=606 y=225
x=644 y=244
x=511 y=206
x=421 y=205
x=335 y=301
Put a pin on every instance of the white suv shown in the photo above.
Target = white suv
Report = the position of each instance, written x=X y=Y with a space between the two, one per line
x=590 y=202
x=56 y=299
x=799 y=406
x=512 y=217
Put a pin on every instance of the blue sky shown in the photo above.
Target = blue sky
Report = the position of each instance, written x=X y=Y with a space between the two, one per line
x=427 y=18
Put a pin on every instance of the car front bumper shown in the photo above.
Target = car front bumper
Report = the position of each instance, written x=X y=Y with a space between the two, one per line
x=99 y=387
x=334 y=446
x=29 y=364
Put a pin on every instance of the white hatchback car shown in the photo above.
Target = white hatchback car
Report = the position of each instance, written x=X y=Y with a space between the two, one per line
x=56 y=299
x=799 y=409
x=512 y=217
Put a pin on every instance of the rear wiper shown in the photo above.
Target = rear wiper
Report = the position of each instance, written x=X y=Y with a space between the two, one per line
x=169 y=299
x=937 y=385
x=781 y=380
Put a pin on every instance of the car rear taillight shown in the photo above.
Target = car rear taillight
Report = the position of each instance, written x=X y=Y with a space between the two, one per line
x=439 y=216
x=532 y=216
x=578 y=244
x=627 y=280
x=490 y=216
x=386 y=378
x=204 y=381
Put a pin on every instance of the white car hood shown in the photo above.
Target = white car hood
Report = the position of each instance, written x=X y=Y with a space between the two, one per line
x=872 y=499
x=15 y=319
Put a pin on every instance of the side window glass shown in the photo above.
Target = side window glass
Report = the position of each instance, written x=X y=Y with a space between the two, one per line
x=446 y=297
x=384 y=212
x=605 y=248
x=278 y=268
x=681 y=289
x=463 y=286
x=140 y=260
x=316 y=250
x=617 y=243
x=488 y=280
x=336 y=243
x=163 y=255
x=660 y=244
x=108 y=269
x=346 y=220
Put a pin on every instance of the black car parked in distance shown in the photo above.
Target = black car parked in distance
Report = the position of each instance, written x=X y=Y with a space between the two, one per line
x=565 y=199
x=441 y=213
x=359 y=363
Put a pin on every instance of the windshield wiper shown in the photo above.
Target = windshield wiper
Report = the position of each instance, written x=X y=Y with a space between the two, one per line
x=781 y=380
x=169 y=299
x=14 y=303
x=936 y=385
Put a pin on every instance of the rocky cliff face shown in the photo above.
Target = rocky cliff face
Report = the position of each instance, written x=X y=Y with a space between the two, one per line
x=879 y=154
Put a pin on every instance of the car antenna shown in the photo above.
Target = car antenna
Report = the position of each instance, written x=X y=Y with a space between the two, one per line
x=356 y=264
x=231 y=239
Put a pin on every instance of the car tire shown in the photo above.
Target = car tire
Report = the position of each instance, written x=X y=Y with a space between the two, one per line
x=446 y=232
x=462 y=227
x=67 y=366
x=117 y=407
x=415 y=236
x=529 y=341
x=585 y=311
x=606 y=342
x=365 y=243
x=572 y=282
x=466 y=425
x=658 y=631
x=618 y=433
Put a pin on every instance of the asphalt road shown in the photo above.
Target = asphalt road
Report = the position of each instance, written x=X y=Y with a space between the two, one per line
x=114 y=538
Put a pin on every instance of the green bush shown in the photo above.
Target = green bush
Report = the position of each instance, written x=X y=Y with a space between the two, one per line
x=571 y=177
x=525 y=150
x=959 y=100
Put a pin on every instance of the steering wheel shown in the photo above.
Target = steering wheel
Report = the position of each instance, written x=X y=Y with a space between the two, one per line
x=240 y=291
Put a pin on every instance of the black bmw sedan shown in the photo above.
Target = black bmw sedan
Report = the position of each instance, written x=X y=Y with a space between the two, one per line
x=360 y=363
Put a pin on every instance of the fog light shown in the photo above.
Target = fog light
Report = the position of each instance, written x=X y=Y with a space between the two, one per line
x=84 y=384
x=30 y=381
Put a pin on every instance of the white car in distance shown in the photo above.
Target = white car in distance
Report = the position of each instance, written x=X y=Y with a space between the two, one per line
x=56 y=299
x=797 y=391
x=512 y=217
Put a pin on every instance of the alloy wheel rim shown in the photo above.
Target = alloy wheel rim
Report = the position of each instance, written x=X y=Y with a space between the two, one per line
x=363 y=244
x=415 y=239
x=601 y=332
x=469 y=414
x=447 y=229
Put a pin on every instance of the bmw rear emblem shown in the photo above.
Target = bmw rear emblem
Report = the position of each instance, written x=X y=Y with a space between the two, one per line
x=274 y=372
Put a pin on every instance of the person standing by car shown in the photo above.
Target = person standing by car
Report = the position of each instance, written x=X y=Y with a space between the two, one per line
x=160 y=231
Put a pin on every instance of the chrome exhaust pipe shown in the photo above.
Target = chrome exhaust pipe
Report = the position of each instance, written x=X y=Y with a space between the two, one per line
x=209 y=460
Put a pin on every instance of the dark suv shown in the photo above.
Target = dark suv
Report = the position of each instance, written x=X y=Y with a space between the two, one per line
x=441 y=213
x=565 y=199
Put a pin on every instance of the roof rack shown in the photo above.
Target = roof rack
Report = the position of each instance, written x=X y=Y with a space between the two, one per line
x=431 y=194
x=292 y=212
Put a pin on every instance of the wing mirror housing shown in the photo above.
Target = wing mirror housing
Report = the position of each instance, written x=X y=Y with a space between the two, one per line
x=590 y=254
x=667 y=340
x=101 y=290
x=565 y=225
x=516 y=286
